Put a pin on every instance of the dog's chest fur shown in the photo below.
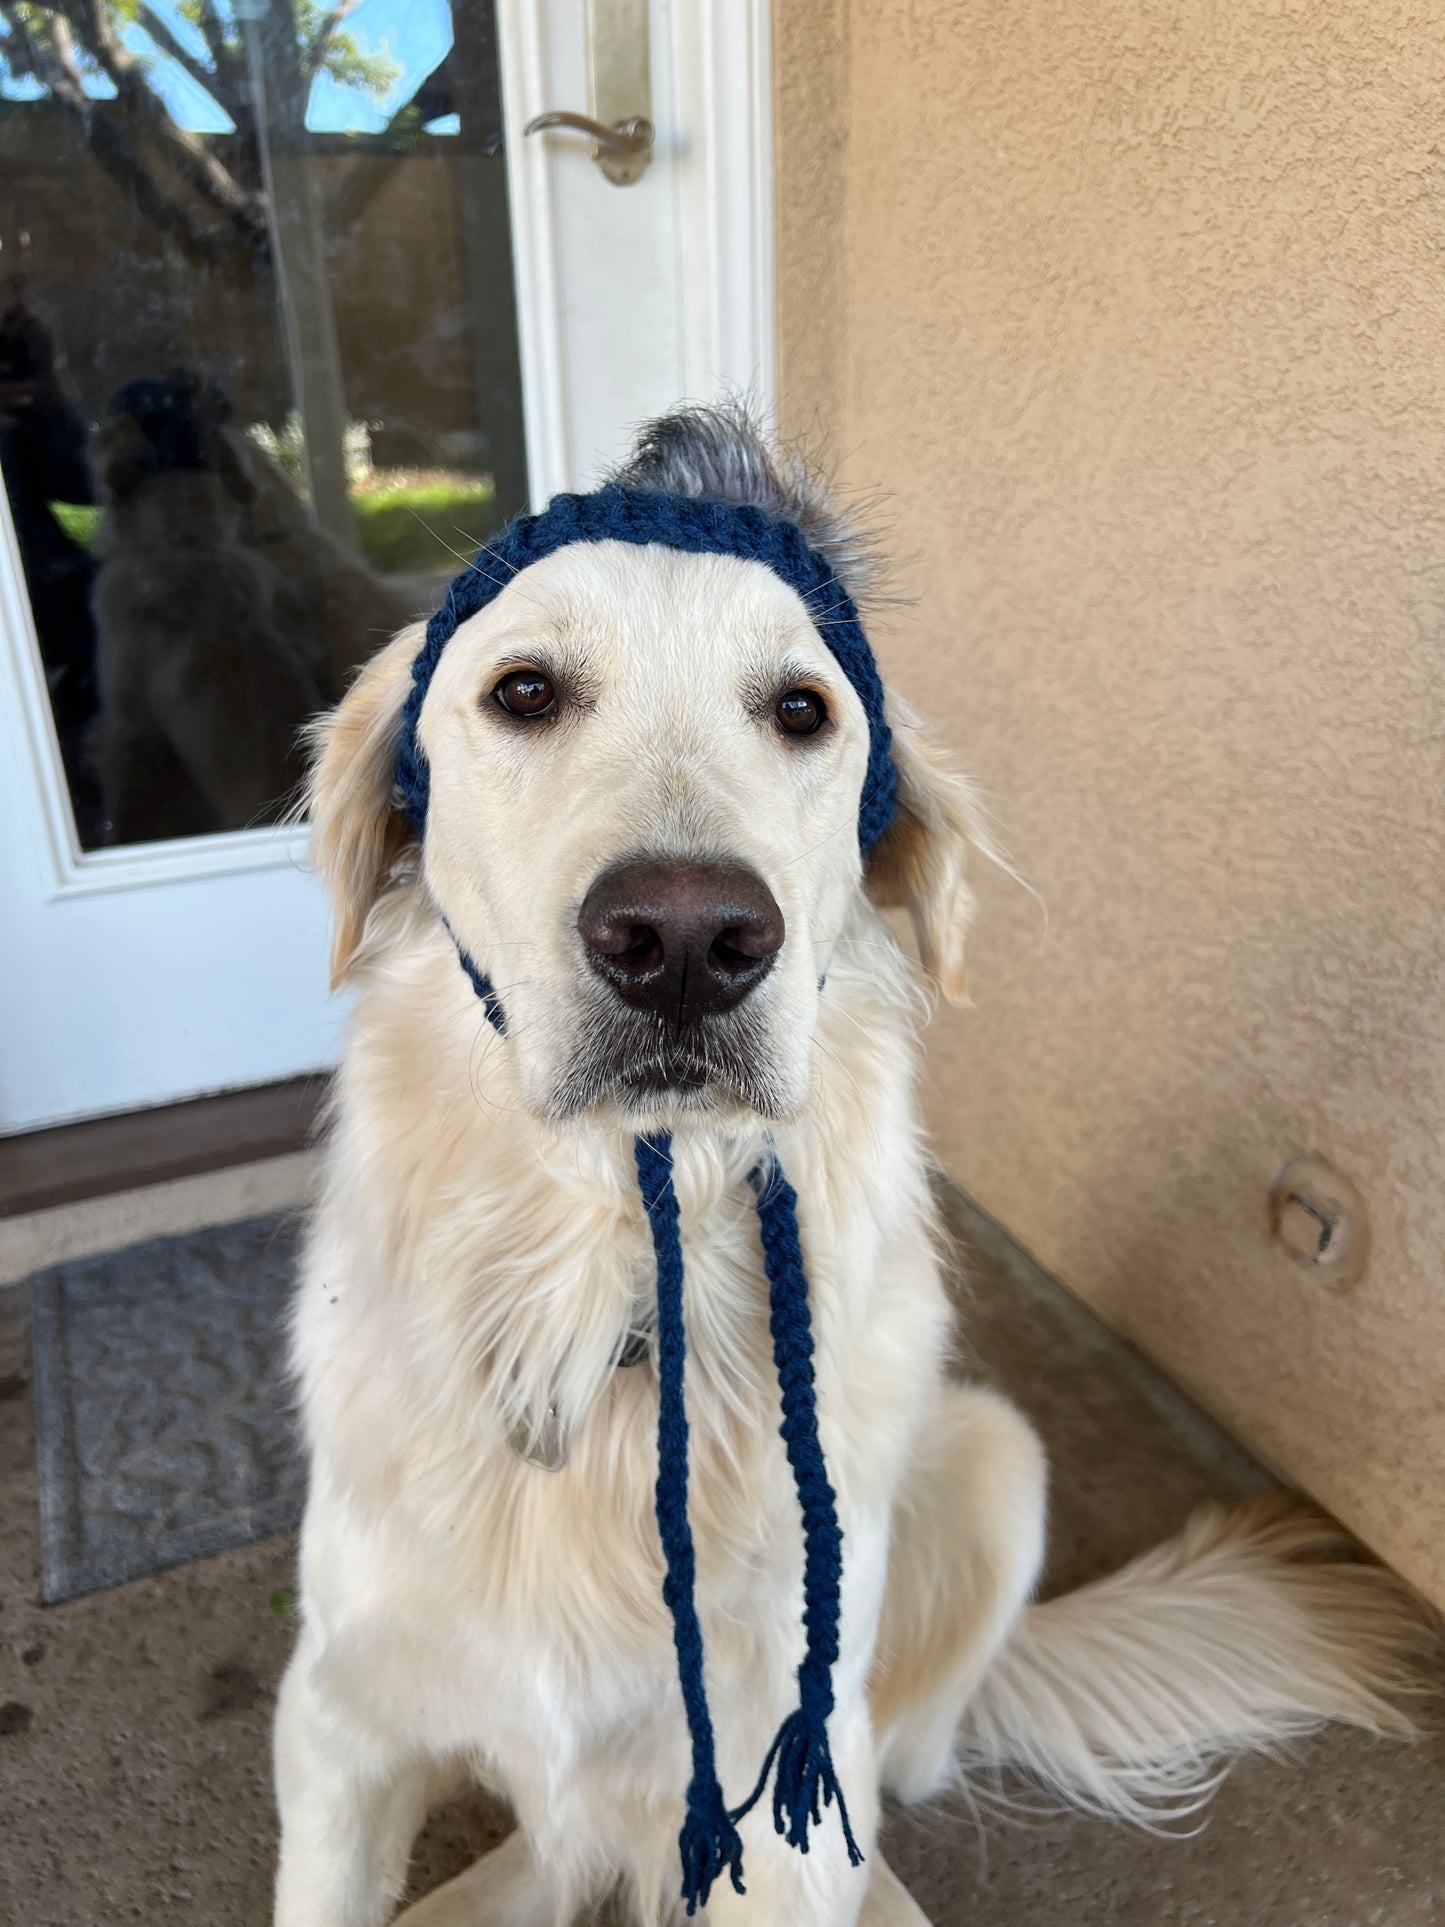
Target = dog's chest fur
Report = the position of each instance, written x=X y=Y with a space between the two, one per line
x=467 y=1270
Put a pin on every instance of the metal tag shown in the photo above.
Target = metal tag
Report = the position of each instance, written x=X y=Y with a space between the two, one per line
x=544 y=1445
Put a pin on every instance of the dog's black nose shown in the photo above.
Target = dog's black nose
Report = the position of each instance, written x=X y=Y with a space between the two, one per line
x=685 y=939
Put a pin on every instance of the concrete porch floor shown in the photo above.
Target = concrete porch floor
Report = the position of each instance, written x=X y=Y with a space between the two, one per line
x=134 y=1770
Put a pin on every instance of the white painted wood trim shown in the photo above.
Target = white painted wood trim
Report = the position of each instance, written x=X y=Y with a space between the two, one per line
x=142 y=866
x=536 y=271
x=51 y=828
x=761 y=233
x=725 y=108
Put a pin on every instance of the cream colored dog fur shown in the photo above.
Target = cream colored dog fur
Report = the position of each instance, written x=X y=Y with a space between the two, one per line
x=480 y=1252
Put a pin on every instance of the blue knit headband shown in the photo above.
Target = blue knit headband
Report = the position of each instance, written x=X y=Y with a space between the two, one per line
x=699 y=527
x=799 y=1762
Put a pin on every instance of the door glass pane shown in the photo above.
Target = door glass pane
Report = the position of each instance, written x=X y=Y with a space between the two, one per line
x=259 y=386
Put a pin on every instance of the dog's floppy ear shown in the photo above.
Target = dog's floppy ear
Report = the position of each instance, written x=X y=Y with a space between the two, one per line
x=359 y=825
x=921 y=863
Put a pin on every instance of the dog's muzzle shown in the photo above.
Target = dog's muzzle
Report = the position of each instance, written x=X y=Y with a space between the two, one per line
x=675 y=947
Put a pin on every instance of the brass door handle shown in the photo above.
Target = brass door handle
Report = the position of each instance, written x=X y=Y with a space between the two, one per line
x=627 y=144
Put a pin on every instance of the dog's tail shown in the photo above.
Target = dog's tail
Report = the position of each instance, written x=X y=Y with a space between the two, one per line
x=1249 y=1629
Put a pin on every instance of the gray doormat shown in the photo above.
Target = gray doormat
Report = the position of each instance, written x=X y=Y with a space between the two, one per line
x=162 y=1418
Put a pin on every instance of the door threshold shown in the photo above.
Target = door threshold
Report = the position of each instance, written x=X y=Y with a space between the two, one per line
x=74 y=1164
x=65 y=1233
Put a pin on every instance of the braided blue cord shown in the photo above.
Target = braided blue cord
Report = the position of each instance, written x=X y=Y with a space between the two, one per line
x=806 y=1781
x=481 y=983
x=800 y=1755
x=709 y=1842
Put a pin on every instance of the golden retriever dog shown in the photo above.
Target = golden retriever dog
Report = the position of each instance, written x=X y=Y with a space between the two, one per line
x=480 y=1567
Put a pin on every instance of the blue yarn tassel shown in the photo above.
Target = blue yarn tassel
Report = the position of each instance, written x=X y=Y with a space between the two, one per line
x=800 y=1755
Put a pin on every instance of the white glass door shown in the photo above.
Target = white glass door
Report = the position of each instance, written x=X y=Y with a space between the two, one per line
x=293 y=315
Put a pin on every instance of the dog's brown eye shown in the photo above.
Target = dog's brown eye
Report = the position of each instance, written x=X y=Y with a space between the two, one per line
x=526 y=692
x=801 y=712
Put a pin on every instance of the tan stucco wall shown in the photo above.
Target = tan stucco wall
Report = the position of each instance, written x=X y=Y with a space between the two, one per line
x=1134 y=310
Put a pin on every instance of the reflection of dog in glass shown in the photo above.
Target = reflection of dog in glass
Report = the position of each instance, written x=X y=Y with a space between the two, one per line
x=225 y=618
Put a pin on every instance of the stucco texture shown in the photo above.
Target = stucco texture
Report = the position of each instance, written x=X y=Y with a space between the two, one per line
x=1132 y=312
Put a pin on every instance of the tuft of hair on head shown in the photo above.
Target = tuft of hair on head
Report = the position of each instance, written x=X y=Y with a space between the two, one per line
x=721 y=452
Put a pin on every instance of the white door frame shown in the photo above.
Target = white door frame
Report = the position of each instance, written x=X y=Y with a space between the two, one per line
x=717 y=130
